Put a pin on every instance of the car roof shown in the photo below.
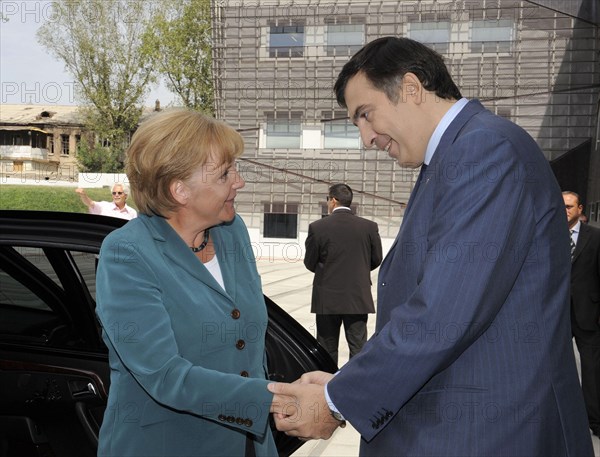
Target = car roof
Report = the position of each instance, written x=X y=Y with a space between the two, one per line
x=79 y=231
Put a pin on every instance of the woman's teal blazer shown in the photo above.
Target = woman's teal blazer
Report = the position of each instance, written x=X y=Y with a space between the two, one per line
x=187 y=358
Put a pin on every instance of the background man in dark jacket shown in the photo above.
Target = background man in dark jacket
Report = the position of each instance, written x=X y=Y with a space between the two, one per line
x=342 y=249
x=585 y=304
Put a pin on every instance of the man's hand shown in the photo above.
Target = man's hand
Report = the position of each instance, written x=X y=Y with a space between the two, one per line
x=84 y=197
x=300 y=410
x=315 y=377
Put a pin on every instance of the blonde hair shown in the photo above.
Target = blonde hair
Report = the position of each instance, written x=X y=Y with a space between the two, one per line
x=170 y=146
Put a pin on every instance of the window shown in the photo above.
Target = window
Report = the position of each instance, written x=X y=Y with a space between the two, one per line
x=281 y=220
x=38 y=139
x=491 y=36
x=51 y=144
x=434 y=34
x=503 y=111
x=344 y=39
x=324 y=210
x=12 y=138
x=64 y=141
x=594 y=210
x=339 y=132
x=286 y=40
x=284 y=129
x=39 y=296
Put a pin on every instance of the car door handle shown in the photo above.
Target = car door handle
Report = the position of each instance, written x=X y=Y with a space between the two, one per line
x=88 y=391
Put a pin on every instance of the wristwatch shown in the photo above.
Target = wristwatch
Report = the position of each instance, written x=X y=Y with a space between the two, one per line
x=338 y=417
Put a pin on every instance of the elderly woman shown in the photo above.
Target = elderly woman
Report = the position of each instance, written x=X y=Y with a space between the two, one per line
x=180 y=302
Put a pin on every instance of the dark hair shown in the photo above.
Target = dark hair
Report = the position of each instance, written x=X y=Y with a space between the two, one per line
x=386 y=60
x=342 y=193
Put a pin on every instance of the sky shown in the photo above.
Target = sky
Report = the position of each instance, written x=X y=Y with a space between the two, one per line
x=28 y=72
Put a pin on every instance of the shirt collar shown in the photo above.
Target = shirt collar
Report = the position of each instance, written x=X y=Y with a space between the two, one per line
x=434 y=141
x=340 y=207
x=576 y=227
x=116 y=208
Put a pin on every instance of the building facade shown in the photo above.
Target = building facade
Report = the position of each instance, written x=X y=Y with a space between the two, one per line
x=275 y=64
x=39 y=142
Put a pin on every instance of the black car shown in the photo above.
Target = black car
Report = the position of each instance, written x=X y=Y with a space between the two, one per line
x=54 y=374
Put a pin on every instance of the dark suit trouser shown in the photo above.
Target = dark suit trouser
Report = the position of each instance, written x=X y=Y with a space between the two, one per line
x=588 y=345
x=328 y=332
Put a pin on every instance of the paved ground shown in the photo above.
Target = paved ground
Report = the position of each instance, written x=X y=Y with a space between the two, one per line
x=289 y=284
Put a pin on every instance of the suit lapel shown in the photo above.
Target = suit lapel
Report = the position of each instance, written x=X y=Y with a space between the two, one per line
x=426 y=175
x=171 y=246
x=582 y=240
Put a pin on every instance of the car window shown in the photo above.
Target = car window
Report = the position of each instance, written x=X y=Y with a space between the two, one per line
x=24 y=315
x=13 y=293
x=37 y=257
x=44 y=298
x=87 y=263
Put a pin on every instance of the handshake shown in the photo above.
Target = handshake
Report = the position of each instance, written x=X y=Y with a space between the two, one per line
x=300 y=409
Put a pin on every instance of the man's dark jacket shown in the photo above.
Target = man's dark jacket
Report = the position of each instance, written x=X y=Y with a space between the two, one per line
x=585 y=278
x=342 y=249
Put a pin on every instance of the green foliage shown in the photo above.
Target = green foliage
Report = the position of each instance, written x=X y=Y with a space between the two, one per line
x=99 y=159
x=180 y=43
x=100 y=43
x=50 y=198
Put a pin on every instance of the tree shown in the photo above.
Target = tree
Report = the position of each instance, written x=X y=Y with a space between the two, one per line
x=181 y=44
x=98 y=158
x=100 y=43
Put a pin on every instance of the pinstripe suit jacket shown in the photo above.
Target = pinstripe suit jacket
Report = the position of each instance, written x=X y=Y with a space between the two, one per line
x=472 y=354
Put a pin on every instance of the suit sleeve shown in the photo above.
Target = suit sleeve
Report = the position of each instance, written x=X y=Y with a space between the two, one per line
x=376 y=249
x=311 y=256
x=137 y=328
x=471 y=212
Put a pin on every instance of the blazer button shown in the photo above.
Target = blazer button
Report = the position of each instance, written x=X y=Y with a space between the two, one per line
x=248 y=423
x=235 y=314
x=239 y=421
x=244 y=374
x=230 y=419
x=222 y=417
x=241 y=344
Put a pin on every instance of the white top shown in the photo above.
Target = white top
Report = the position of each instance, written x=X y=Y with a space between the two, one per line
x=213 y=267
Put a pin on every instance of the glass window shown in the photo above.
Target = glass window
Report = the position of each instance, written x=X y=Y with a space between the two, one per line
x=435 y=34
x=286 y=41
x=344 y=39
x=64 y=144
x=340 y=133
x=284 y=130
x=281 y=220
x=36 y=307
x=594 y=209
x=86 y=264
x=491 y=36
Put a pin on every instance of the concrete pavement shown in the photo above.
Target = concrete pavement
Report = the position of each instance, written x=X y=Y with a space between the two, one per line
x=289 y=284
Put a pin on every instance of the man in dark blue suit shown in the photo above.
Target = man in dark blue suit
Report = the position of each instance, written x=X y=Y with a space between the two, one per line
x=472 y=354
x=585 y=304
